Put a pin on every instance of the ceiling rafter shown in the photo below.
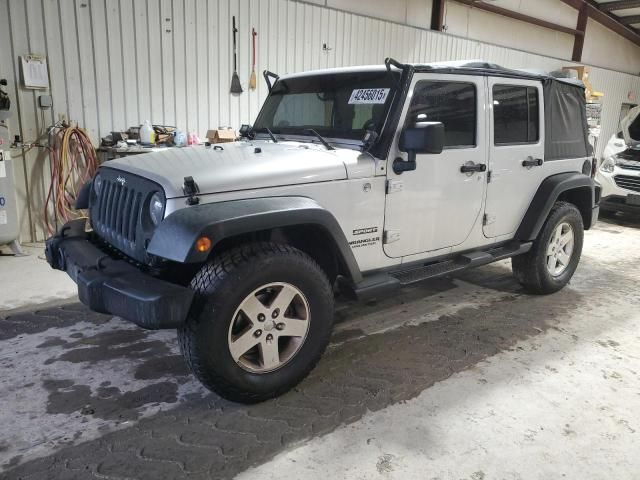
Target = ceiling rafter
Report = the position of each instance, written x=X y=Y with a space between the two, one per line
x=487 y=7
x=629 y=20
x=618 y=5
x=607 y=19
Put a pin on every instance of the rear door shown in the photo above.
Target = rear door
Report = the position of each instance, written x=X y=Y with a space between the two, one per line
x=516 y=152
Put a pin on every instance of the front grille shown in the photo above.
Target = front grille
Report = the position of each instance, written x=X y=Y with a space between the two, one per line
x=628 y=182
x=629 y=166
x=117 y=214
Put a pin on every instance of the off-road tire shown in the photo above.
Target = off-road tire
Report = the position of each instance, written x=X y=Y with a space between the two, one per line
x=220 y=287
x=530 y=269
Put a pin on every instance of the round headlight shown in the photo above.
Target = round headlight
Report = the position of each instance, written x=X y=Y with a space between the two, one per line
x=608 y=165
x=97 y=184
x=156 y=208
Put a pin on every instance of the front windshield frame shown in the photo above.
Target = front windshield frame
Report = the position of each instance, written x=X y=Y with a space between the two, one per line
x=307 y=84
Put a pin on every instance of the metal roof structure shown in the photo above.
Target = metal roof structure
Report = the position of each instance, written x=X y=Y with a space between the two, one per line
x=627 y=12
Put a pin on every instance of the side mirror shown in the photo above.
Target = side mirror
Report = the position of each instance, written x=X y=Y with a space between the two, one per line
x=421 y=137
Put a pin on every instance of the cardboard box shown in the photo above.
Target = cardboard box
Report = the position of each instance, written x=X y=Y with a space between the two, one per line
x=221 y=135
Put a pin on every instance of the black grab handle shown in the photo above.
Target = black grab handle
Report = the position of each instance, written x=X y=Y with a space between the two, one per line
x=478 y=167
x=532 y=162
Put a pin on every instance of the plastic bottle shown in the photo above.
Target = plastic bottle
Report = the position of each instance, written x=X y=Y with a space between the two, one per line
x=179 y=138
x=147 y=135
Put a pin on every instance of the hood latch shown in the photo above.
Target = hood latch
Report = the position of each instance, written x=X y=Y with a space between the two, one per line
x=190 y=189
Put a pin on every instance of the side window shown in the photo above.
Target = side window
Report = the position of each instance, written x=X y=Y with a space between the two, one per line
x=515 y=114
x=452 y=103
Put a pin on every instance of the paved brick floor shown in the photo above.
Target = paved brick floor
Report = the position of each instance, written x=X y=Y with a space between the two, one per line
x=84 y=395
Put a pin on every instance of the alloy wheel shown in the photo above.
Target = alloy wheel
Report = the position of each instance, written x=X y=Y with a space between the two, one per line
x=560 y=249
x=269 y=327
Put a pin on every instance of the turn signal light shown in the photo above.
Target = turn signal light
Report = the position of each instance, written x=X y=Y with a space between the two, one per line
x=203 y=244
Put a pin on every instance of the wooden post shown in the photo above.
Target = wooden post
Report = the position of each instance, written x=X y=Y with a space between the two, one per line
x=437 y=15
x=578 y=42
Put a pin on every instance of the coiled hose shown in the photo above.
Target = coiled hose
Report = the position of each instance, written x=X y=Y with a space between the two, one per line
x=73 y=163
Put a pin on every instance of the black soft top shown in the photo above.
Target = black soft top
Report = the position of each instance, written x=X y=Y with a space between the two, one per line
x=565 y=113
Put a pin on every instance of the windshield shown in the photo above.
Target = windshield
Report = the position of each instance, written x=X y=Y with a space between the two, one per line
x=341 y=105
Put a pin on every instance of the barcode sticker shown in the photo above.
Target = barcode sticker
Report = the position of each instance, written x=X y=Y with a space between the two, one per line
x=368 y=95
x=3 y=217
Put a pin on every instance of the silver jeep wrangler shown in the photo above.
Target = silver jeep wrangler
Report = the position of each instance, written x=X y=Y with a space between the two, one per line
x=352 y=180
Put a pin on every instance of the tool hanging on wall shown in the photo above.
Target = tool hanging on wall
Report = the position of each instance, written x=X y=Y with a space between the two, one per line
x=235 y=80
x=252 y=78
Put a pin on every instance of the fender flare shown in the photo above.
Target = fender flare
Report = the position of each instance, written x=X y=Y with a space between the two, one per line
x=548 y=193
x=175 y=237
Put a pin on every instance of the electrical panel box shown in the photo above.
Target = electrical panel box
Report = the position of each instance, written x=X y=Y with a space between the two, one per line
x=45 y=101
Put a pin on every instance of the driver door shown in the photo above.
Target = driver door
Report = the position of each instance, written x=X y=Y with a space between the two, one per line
x=437 y=205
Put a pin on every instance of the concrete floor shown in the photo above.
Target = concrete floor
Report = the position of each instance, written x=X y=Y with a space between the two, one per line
x=461 y=378
x=28 y=280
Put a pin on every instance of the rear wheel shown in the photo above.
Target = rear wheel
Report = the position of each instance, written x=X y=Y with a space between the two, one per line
x=261 y=321
x=555 y=254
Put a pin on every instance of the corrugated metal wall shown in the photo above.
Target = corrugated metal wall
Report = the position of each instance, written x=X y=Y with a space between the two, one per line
x=116 y=63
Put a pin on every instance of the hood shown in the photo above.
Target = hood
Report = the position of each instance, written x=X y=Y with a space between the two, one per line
x=615 y=145
x=239 y=166
x=630 y=126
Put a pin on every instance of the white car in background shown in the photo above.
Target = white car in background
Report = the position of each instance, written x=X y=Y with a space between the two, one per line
x=619 y=173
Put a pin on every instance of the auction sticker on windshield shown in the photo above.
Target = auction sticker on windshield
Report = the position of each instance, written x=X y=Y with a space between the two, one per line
x=368 y=95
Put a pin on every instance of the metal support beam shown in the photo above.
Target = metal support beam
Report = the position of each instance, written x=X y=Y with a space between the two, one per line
x=437 y=15
x=609 y=21
x=631 y=19
x=619 y=5
x=519 y=16
x=578 y=42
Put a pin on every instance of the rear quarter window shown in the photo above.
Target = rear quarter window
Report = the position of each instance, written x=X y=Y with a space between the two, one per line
x=515 y=115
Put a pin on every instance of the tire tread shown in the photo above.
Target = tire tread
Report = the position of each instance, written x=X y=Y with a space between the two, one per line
x=527 y=268
x=212 y=274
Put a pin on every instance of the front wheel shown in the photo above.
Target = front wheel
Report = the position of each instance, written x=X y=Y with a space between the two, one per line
x=555 y=254
x=262 y=319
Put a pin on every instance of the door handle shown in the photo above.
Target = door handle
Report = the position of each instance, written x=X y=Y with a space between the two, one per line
x=532 y=162
x=473 y=167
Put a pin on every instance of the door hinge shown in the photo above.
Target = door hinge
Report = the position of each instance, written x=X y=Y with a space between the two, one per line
x=394 y=186
x=390 y=236
x=489 y=176
x=488 y=219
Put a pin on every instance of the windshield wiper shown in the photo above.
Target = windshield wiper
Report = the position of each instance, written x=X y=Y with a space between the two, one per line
x=319 y=137
x=270 y=133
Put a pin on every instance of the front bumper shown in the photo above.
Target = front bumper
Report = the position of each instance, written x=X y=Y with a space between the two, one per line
x=618 y=203
x=108 y=285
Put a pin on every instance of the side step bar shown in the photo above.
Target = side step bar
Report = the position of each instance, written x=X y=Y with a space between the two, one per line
x=376 y=284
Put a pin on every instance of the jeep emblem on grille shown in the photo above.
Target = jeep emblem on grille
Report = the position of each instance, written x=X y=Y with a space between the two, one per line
x=121 y=180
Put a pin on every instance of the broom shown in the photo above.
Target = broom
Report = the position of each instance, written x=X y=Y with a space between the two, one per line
x=235 y=80
x=252 y=78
